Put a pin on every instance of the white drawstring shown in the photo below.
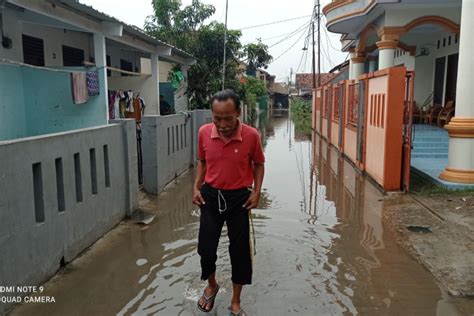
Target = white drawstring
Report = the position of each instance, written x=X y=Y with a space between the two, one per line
x=219 y=196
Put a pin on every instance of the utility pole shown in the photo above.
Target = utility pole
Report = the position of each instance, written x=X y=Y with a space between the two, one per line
x=314 y=60
x=319 y=45
x=225 y=44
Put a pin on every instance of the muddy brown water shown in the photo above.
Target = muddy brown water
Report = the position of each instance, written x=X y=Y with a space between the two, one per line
x=322 y=249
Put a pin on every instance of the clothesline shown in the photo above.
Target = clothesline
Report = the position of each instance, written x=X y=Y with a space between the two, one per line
x=87 y=64
x=132 y=73
x=20 y=64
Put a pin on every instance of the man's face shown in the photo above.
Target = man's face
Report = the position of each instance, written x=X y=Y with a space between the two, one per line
x=225 y=116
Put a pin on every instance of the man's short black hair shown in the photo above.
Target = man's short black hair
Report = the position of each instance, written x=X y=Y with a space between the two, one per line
x=225 y=95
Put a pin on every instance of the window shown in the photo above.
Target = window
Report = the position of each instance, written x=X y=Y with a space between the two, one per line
x=73 y=57
x=33 y=50
x=125 y=65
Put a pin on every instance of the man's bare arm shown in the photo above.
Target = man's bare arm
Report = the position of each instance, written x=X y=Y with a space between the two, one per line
x=201 y=173
x=258 y=173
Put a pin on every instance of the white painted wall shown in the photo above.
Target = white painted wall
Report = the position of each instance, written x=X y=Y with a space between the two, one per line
x=165 y=68
x=401 y=15
x=53 y=39
x=404 y=58
x=12 y=29
x=424 y=65
x=116 y=54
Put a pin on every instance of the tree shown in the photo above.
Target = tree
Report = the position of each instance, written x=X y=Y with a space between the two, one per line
x=257 y=57
x=186 y=28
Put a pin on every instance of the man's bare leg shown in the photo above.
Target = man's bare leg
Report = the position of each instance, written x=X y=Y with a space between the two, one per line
x=235 y=303
x=209 y=291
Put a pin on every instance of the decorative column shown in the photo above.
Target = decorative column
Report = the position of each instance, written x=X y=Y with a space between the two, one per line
x=351 y=55
x=101 y=64
x=358 y=65
x=154 y=108
x=461 y=128
x=386 y=53
x=372 y=63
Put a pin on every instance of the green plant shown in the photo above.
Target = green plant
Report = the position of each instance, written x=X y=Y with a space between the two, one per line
x=301 y=114
x=187 y=29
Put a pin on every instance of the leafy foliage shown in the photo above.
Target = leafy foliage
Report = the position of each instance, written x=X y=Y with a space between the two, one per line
x=257 y=57
x=186 y=28
x=301 y=114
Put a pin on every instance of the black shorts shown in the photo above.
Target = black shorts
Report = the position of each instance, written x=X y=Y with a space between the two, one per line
x=225 y=206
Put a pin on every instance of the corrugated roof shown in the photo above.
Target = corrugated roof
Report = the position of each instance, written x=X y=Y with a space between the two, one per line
x=101 y=16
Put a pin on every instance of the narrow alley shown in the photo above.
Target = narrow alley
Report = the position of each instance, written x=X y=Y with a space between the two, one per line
x=321 y=249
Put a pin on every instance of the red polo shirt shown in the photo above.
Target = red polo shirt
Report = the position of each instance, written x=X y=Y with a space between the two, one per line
x=230 y=163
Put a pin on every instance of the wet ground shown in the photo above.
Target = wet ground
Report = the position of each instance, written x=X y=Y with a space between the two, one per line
x=322 y=249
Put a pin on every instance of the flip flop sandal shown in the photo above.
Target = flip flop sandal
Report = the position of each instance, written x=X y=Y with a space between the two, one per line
x=240 y=313
x=208 y=300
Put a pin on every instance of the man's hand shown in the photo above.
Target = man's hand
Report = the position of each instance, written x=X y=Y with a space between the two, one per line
x=197 y=198
x=252 y=201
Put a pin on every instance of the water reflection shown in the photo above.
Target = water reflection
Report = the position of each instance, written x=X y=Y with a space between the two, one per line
x=321 y=249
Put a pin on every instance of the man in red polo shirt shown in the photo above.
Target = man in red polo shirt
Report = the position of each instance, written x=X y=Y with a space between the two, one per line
x=231 y=160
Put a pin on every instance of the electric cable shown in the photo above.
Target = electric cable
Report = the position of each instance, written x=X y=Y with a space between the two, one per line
x=272 y=23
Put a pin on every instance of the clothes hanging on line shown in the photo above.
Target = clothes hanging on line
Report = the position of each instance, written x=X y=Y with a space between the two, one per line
x=126 y=104
x=93 y=85
x=79 y=87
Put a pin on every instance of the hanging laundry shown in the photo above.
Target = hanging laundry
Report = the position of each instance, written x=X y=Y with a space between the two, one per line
x=79 y=87
x=142 y=104
x=93 y=86
x=130 y=102
x=112 y=100
x=117 y=107
x=123 y=96
x=137 y=110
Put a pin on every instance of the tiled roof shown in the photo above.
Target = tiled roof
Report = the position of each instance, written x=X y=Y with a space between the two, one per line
x=305 y=81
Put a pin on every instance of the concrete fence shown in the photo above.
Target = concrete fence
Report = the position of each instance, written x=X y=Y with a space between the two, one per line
x=59 y=193
x=169 y=146
x=199 y=118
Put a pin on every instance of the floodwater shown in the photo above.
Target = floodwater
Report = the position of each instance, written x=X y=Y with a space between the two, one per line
x=322 y=249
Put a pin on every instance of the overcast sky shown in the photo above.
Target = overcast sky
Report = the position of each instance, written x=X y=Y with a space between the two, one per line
x=245 y=13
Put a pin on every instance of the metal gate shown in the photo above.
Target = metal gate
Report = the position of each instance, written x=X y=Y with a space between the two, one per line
x=341 y=116
x=407 y=129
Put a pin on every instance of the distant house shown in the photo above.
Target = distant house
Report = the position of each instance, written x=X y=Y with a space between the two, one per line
x=304 y=81
x=279 y=93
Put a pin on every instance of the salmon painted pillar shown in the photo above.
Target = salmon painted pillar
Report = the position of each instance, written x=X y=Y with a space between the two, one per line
x=461 y=128
x=383 y=127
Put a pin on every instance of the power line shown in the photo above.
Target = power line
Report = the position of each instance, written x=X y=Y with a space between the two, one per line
x=281 y=35
x=271 y=23
x=286 y=51
x=330 y=42
x=292 y=34
x=304 y=55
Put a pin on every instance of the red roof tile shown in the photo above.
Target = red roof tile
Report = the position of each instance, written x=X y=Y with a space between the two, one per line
x=305 y=81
